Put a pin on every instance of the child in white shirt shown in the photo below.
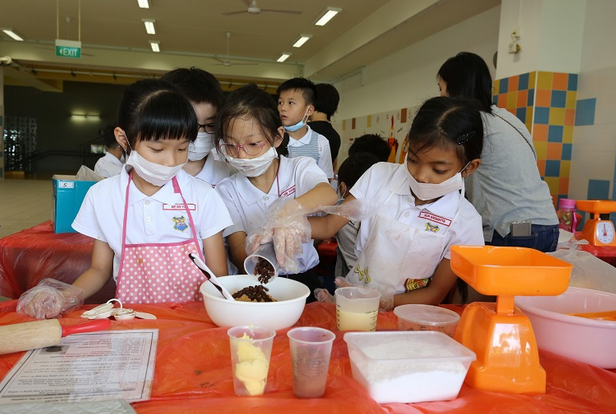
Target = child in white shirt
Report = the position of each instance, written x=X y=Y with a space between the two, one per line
x=251 y=137
x=404 y=248
x=146 y=220
x=203 y=92
x=295 y=105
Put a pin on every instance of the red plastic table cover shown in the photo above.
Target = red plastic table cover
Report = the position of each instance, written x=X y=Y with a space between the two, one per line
x=36 y=253
x=193 y=372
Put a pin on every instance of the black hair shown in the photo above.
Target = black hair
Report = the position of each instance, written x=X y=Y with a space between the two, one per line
x=305 y=86
x=253 y=102
x=354 y=167
x=327 y=99
x=372 y=143
x=152 y=109
x=453 y=122
x=108 y=136
x=197 y=85
x=467 y=76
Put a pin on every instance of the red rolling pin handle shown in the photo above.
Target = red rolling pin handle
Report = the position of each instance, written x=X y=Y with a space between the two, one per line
x=92 y=326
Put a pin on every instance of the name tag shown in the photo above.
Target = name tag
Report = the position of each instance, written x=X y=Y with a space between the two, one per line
x=288 y=191
x=434 y=218
x=179 y=207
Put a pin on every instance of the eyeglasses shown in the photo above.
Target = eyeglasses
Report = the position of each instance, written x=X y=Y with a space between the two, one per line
x=208 y=128
x=234 y=149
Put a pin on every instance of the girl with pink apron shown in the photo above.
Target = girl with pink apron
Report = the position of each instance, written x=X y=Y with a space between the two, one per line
x=159 y=272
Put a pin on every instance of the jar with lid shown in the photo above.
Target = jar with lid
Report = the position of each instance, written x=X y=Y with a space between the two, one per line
x=567 y=219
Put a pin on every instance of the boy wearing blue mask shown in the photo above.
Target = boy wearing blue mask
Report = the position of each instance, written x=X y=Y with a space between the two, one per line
x=295 y=105
x=203 y=92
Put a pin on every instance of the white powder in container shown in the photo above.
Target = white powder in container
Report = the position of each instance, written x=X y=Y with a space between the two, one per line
x=409 y=369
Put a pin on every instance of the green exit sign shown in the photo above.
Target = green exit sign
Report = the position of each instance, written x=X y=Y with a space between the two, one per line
x=68 y=48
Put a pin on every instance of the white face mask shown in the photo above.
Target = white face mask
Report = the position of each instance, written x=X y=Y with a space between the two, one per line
x=155 y=174
x=202 y=146
x=252 y=167
x=426 y=191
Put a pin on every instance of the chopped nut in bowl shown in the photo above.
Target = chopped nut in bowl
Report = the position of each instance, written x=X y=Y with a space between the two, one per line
x=288 y=301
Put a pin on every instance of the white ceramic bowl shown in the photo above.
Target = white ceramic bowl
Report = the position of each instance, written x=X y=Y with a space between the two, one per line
x=586 y=340
x=290 y=295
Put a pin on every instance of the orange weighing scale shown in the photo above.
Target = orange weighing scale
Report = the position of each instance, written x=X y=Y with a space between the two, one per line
x=598 y=232
x=499 y=333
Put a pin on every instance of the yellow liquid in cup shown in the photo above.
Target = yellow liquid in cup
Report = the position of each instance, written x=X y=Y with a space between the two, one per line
x=356 y=321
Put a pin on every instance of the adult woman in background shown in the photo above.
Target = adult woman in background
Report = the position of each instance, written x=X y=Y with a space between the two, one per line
x=507 y=190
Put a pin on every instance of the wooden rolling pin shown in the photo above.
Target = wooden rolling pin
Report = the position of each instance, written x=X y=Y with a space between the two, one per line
x=39 y=334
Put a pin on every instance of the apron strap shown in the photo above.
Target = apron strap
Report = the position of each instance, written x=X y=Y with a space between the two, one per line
x=176 y=189
x=130 y=178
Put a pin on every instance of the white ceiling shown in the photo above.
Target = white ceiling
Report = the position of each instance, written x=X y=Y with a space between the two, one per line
x=193 y=33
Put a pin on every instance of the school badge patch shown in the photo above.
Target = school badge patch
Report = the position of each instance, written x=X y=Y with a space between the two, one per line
x=179 y=223
x=434 y=228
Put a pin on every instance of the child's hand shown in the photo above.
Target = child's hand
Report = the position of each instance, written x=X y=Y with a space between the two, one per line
x=323 y=295
x=287 y=228
x=49 y=299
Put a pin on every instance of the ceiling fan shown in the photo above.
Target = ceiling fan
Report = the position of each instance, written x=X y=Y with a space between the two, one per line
x=253 y=8
x=226 y=61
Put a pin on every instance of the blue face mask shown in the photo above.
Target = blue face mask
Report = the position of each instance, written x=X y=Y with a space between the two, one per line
x=300 y=124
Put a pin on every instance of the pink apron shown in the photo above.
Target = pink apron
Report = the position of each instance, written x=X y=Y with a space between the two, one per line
x=159 y=272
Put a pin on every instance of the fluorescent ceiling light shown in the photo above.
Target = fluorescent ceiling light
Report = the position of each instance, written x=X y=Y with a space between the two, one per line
x=155 y=46
x=149 y=25
x=14 y=35
x=143 y=4
x=283 y=57
x=327 y=15
x=302 y=39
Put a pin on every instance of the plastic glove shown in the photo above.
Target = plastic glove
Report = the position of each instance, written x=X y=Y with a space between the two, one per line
x=323 y=295
x=287 y=228
x=49 y=299
x=386 y=302
x=354 y=210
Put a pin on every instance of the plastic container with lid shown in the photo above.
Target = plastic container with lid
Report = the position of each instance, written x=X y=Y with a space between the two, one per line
x=567 y=219
x=408 y=367
x=416 y=317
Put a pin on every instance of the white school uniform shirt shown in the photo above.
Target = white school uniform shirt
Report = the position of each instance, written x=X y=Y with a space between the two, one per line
x=248 y=206
x=325 y=154
x=388 y=185
x=160 y=218
x=108 y=165
x=214 y=171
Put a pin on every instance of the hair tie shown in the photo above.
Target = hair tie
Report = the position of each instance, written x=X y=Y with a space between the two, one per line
x=465 y=137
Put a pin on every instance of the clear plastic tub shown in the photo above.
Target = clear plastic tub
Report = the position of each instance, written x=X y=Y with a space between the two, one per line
x=408 y=367
x=416 y=317
x=587 y=340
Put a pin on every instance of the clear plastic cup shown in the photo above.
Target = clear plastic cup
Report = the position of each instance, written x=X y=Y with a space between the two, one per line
x=357 y=308
x=265 y=256
x=311 y=348
x=251 y=349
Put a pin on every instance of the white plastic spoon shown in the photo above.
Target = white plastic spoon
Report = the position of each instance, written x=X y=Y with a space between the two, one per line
x=210 y=276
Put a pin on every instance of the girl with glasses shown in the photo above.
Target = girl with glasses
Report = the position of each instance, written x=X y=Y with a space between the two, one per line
x=203 y=92
x=252 y=139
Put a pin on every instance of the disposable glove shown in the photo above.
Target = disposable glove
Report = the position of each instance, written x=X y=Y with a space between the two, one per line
x=287 y=228
x=49 y=299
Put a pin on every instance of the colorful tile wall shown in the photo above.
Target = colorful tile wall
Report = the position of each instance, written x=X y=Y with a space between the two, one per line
x=546 y=103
